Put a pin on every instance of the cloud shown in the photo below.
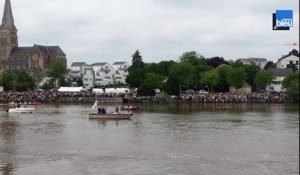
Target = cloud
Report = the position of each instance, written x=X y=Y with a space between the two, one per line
x=111 y=30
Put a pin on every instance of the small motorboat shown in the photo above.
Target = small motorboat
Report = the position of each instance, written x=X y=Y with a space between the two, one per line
x=111 y=116
x=130 y=108
x=21 y=110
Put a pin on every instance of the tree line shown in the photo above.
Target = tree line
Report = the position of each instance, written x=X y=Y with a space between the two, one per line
x=21 y=80
x=194 y=71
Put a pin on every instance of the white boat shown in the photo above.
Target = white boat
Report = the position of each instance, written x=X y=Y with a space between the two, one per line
x=21 y=110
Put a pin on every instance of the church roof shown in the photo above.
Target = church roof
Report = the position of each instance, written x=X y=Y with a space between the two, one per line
x=20 y=50
x=52 y=50
x=8 y=19
x=12 y=63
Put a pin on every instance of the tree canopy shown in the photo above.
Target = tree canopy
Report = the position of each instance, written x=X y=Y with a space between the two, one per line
x=264 y=78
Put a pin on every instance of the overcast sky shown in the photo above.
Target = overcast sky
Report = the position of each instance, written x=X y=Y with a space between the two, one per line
x=112 y=30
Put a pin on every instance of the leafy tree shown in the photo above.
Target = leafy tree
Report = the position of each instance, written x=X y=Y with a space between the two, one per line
x=287 y=82
x=151 y=82
x=223 y=71
x=264 y=78
x=236 y=63
x=172 y=86
x=236 y=77
x=193 y=58
x=293 y=91
x=211 y=78
x=163 y=68
x=135 y=78
x=270 y=65
x=136 y=71
x=251 y=71
x=183 y=71
x=216 y=61
x=58 y=72
x=137 y=62
x=18 y=80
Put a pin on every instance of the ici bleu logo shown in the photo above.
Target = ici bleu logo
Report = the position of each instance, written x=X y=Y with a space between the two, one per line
x=282 y=19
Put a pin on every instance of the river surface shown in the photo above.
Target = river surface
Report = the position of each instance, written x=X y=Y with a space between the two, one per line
x=186 y=139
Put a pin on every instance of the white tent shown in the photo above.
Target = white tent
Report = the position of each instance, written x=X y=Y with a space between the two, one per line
x=122 y=90
x=98 y=91
x=110 y=90
x=116 y=91
x=70 y=89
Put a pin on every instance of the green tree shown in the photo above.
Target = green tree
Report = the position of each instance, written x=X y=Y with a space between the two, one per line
x=172 y=86
x=193 y=58
x=293 y=91
x=163 y=68
x=211 y=78
x=236 y=77
x=264 y=78
x=287 y=81
x=135 y=78
x=270 y=65
x=136 y=71
x=137 y=62
x=183 y=71
x=18 y=80
x=151 y=82
x=223 y=71
x=58 y=71
x=251 y=71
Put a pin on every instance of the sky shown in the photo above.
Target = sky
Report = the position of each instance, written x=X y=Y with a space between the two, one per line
x=112 y=30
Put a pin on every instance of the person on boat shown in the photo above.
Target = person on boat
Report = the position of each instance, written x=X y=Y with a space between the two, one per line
x=100 y=110
x=104 y=111
x=18 y=105
x=117 y=109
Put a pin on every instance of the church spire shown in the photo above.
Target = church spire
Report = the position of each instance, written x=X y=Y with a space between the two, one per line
x=8 y=19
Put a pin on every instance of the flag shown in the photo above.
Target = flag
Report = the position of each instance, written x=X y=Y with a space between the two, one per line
x=95 y=105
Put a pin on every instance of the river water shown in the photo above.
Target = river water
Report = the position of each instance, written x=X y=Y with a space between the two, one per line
x=186 y=139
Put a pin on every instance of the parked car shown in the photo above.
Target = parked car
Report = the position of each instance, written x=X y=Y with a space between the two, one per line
x=190 y=91
x=202 y=92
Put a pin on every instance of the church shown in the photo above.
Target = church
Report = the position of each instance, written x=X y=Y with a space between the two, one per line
x=33 y=59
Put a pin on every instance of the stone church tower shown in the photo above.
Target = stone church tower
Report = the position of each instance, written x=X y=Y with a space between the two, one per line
x=8 y=32
x=34 y=58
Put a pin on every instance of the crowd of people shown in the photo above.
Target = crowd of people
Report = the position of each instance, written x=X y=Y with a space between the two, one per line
x=266 y=97
x=52 y=96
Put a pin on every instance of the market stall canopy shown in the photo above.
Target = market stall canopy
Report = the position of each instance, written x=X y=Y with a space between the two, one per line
x=116 y=90
x=70 y=89
x=98 y=91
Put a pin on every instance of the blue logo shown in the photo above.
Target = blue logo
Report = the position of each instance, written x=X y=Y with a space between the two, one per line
x=282 y=19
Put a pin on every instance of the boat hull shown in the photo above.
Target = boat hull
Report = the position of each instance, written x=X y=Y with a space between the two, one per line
x=21 y=110
x=129 y=108
x=112 y=116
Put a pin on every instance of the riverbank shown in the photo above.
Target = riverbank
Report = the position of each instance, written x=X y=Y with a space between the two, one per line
x=89 y=97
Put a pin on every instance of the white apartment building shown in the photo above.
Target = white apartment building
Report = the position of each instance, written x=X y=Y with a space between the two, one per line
x=260 y=62
x=104 y=74
x=76 y=70
x=88 y=77
x=100 y=74
x=288 y=61
x=121 y=72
